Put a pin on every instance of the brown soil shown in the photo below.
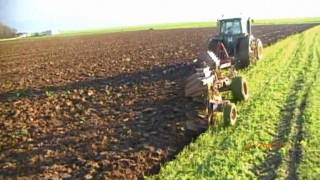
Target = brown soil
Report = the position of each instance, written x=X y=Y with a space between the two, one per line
x=100 y=106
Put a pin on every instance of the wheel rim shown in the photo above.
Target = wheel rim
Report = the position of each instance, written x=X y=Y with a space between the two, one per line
x=230 y=114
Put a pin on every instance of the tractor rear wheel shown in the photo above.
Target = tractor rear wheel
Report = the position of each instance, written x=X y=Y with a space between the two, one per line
x=242 y=54
x=239 y=89
x=259 y=49
x=229 y=114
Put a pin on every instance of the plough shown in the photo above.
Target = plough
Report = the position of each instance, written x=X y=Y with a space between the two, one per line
x=209 y=82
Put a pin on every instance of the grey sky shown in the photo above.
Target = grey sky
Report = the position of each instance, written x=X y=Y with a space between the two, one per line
x=37 y=15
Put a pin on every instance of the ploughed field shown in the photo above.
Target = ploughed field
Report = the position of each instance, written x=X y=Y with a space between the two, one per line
x=100 y=106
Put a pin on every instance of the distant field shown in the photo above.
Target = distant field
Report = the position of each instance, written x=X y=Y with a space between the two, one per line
x=182 y=25
x=186 y=25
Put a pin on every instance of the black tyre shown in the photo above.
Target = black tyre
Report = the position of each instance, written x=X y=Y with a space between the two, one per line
x=239 y=89
x=229 y=114
x=242 y=55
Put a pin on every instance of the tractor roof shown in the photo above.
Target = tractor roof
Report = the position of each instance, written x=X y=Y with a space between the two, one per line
x=233 y=18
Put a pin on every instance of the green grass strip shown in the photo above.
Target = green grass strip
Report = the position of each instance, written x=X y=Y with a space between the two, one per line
x=310 y=160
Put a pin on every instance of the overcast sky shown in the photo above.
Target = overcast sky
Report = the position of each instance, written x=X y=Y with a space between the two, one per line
x=38 y=15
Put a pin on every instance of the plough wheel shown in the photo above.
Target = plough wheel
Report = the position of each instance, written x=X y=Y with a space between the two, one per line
x=239 y=89
x=229 y=114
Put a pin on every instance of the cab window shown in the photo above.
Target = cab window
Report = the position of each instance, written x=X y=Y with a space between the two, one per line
x=230 y=27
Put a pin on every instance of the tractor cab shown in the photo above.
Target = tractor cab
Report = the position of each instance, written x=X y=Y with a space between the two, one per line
x=234 y=26
x=231 y=29
x=235 y=42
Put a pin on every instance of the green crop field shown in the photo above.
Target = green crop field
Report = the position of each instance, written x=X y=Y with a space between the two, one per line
x=187 y=25
x=277 y=133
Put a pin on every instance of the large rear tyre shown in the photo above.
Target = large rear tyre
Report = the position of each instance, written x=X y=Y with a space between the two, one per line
x=242 y=55
x=239 y=89
x=229 y=114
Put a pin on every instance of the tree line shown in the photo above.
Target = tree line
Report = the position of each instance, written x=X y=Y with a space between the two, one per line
x=6 y=31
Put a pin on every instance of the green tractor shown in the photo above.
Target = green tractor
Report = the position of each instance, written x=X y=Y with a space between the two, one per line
x=235 y=42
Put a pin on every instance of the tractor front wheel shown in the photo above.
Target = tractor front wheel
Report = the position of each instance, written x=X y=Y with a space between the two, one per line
x=229 y=114
x=239 y=88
